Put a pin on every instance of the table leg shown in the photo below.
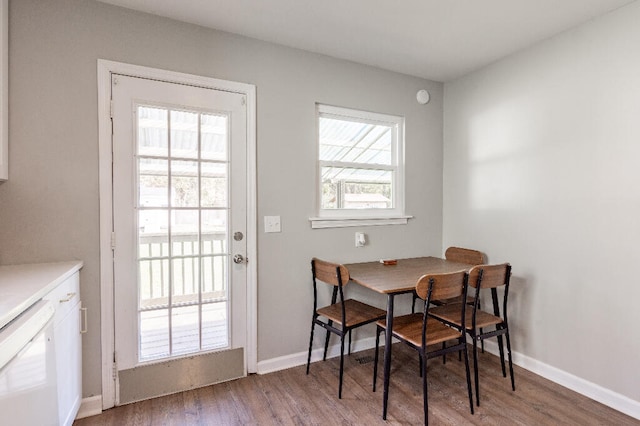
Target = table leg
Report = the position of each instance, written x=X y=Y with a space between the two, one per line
x=387 y=355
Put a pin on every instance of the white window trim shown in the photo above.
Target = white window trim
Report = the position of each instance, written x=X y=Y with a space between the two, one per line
x=333 y=218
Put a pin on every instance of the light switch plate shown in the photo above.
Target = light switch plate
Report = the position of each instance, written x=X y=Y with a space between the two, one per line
x=272 y=224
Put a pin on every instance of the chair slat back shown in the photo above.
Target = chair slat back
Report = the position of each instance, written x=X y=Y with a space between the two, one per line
x=463 y=255
x=445 y=286
x=327 y=272
x=492 y=275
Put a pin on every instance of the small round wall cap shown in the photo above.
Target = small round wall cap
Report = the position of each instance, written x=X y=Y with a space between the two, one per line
x=422 y=96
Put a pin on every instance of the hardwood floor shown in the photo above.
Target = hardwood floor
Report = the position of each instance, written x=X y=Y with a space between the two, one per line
x=290 y=397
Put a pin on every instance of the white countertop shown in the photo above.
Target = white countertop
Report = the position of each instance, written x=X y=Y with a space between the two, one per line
x=23 y=285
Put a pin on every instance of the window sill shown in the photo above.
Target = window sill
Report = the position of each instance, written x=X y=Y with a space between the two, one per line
x=343 y=222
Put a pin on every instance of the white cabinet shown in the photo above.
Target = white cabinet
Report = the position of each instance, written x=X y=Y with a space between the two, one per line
x=23 y=286
x=68 y=347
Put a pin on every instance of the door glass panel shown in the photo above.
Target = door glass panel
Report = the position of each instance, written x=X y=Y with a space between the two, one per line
x=214 y=183
x=154 y=334
x=214 y=278
x=153 y=131
x=214 y=231
x=184 y=134
x=214 y=137
x=185 y=329
x=183 y=210
x=186 y=280
x=184 y=183
x=153 y=189
x=215 y=331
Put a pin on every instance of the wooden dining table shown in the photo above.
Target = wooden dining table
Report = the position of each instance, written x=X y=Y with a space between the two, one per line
x=393 y=280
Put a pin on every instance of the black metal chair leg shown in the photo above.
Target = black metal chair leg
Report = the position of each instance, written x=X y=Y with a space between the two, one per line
x=475 y=369
x=466 y=366
x=326 y=343
x=501 y=348
x=310 y=344
x=481 y=341
x=350 y=342
x=513 y=382
x=444 y=356
x=423 y=373
x=341 y=365
x=375 y=358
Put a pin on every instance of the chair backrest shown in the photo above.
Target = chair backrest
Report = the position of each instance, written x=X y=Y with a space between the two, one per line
x=327 y=272
x=463 y=255
x=490 y=276
x=444 y=286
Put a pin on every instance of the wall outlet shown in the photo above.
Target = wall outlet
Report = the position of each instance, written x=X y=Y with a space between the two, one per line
x=272 y=224
x=361 y=239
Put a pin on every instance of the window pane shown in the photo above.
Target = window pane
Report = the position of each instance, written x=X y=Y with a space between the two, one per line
x=185 y=281
x=214 y=184
x=184 y=184
x=154 y=283
x=214 y=137
x=154 y=334
x=152 y=131
x=355 y=142
x=348 y=188
x=214 y=231
x=153 y=237
x=214 y=278
x=184 y=134
x=185 y=330
x=215 y=332
x=153 y=183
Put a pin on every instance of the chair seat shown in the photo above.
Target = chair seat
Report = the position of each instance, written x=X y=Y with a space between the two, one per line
x=409 y=329
x=357 y=313
x=451 y=313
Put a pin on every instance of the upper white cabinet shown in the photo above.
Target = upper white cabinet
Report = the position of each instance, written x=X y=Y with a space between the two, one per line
x=4 y=92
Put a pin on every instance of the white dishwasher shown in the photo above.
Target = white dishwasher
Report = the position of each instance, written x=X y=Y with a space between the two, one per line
x=28 y=394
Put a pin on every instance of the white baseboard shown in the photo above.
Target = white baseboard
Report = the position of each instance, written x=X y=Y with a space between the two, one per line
x=300 y=358
x=591 y=390
x=90 y=406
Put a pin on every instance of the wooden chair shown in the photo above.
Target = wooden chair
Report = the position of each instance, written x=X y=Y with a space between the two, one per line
x=421 y=330
x=477 y=320
x=460 y=255
x=348 y=314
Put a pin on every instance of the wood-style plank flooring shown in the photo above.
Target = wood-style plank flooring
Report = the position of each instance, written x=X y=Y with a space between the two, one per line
x=290 y=397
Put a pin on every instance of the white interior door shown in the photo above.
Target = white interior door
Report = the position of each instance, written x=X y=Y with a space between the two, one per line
x=179 y=219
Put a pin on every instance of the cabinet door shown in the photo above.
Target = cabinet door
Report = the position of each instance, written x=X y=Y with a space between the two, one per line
x=68 y=343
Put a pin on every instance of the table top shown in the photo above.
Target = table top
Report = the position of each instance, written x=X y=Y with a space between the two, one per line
x=402 y=277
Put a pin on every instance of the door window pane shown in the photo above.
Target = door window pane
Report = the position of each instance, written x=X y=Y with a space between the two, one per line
x=214 y=137
x=153 y=131
x=184 y=134
x=215 y=329
x=154 y=334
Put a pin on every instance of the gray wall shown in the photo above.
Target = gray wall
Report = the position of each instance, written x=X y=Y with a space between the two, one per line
x=541 y=170
x=49 y=207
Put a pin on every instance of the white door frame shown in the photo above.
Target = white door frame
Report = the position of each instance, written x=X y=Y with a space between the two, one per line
x=105 y=69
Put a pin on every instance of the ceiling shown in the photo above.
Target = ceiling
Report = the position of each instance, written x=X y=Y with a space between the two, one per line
x=434 y=39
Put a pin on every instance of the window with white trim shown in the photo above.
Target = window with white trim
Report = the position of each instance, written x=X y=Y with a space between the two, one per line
x=360 y=167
